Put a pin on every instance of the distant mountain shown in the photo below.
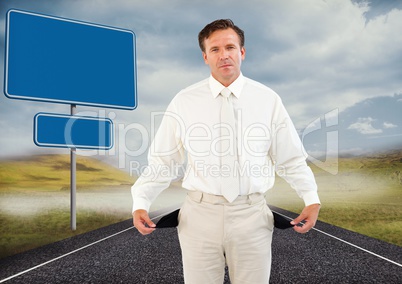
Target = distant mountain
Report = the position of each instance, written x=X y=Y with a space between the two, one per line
x=372 y=125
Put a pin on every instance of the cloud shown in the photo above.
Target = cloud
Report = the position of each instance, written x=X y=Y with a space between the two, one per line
x=389 y=125
x=364 y=126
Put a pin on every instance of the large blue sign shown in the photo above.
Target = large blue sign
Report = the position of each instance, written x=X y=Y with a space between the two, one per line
x=67 y=131
x=66 y=61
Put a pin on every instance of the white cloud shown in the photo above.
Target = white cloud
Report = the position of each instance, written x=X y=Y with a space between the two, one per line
x=364 y=126
x=389 y=125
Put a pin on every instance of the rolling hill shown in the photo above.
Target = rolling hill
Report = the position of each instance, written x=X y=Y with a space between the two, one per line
x=52 y=173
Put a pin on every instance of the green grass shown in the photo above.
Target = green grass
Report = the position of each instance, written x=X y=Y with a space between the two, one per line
x=36 y=176
x=21 y=233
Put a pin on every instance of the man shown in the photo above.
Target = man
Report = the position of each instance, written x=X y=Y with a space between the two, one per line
x=232 y=132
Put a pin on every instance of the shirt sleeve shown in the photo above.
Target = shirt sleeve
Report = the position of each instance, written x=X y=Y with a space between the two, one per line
x=165 y=156
x=289 y=157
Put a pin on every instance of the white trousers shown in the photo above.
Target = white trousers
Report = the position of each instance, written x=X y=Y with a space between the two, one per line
x=213 y=232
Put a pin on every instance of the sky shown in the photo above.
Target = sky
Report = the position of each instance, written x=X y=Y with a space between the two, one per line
x=336 y=64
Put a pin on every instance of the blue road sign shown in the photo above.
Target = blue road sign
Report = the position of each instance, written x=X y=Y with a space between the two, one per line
x=73 y=131
x=66 y=61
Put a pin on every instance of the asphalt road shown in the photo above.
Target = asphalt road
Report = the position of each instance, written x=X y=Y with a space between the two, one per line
x=119 y=254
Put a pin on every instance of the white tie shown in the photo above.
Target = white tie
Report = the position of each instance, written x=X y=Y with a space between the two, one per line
x=229 y=162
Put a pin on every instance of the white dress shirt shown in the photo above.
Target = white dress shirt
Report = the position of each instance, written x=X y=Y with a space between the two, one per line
x=267 y=142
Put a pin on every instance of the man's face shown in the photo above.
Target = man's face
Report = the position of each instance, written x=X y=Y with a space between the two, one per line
x=224 y=55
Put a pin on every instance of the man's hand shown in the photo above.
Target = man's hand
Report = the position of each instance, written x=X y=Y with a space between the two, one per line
x=142 y=222
x=309 y=215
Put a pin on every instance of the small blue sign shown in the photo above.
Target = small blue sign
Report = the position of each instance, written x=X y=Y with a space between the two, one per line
x=73 y=131
x=66 y=61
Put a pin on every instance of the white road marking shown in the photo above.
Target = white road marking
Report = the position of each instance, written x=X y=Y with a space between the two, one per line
x=348 y=243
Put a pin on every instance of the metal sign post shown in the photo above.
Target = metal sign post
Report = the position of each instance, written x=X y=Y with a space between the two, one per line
x=73 y=181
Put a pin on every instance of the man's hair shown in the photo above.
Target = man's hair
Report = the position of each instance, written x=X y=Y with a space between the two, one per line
x=222 y=24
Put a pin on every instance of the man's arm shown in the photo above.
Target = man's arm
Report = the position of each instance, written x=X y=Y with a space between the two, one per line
x=289 y=155
x=165 y=154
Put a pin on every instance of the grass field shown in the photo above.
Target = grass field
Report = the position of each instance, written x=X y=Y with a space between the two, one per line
x=365 y=196
x=21 y=233
x=35 y=200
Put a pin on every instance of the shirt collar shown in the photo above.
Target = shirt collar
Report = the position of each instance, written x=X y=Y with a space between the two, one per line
x=236 y=87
